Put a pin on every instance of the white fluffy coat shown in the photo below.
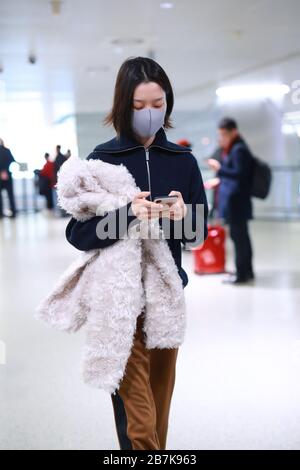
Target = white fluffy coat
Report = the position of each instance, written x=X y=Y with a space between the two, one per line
x=106 y=289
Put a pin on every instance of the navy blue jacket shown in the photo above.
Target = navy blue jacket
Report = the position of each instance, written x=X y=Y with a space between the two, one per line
x=234 y=198
x=171 y=167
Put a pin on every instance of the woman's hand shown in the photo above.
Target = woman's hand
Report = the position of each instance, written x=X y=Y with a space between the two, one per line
x=144 y=209
x=214 y=164
x=177 y=210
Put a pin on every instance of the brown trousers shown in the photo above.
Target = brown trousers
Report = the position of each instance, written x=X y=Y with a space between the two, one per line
x=142 y=403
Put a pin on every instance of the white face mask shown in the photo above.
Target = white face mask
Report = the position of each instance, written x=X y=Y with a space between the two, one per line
x=147 y=121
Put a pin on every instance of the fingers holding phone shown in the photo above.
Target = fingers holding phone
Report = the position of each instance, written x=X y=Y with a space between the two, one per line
x=173 y=205
x=145 y=209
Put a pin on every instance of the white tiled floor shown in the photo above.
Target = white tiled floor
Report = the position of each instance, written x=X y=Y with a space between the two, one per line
x=238 y=372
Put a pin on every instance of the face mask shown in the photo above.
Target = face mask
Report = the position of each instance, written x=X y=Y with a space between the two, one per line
x=147 y=121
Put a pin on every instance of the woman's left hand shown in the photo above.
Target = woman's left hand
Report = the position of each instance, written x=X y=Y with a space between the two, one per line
x=177 y=210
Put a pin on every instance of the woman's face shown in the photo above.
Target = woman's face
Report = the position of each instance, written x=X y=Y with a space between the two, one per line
x=149 y=95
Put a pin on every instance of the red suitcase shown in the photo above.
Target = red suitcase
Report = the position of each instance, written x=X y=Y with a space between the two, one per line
x=209 y=258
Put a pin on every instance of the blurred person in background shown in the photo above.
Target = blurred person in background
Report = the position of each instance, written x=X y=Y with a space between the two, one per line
x=48 y=180
x=60 y=159
x=68 y=154
x=234 y=176
x=214 y=185
x=6 y=180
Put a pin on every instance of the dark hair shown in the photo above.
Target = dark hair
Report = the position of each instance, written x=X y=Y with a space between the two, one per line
x=228 y=124
x=132 y=72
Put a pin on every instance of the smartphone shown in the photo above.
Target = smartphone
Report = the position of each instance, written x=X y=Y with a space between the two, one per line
x=165 y=199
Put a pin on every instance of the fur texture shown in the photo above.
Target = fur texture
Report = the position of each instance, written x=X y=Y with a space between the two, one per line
x=106 y=289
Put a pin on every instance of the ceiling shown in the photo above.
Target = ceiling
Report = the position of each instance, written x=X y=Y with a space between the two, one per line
x=200 y=43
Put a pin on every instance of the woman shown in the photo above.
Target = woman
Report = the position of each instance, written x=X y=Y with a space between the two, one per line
x=47 y=181
x=143 y=102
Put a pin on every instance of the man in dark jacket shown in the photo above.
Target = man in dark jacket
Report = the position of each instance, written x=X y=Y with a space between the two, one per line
x=60 y=159
x=234 y=196
x=6 y=181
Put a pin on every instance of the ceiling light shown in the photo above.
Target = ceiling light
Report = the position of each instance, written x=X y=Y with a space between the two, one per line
x=252 y=92
x=166 y=5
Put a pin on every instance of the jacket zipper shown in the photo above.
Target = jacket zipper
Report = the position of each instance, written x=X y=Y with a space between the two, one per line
x=147 y=158
x=148 y=171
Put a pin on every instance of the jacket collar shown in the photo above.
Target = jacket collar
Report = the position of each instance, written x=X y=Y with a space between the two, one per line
x=235 y=141
x=125 y=143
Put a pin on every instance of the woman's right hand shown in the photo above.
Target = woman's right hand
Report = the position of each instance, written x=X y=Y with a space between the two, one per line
x=144 y=209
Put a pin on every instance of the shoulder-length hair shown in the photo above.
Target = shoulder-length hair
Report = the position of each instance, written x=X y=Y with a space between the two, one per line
x=132 y=72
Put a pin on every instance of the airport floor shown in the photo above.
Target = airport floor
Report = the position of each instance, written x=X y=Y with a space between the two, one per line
x=238 y=380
